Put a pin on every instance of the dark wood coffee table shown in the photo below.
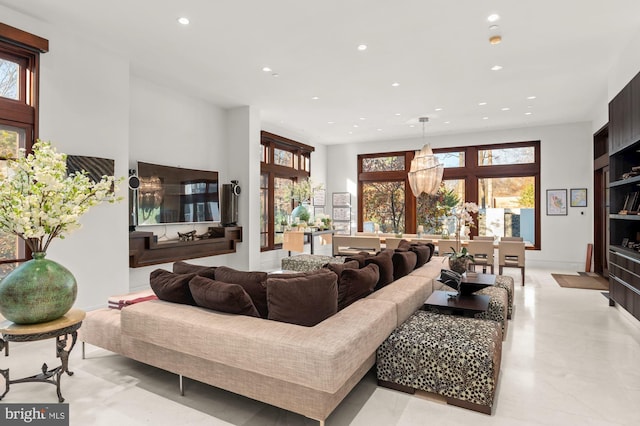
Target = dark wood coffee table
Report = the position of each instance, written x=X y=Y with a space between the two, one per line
x=447 y=302
x=472 y=282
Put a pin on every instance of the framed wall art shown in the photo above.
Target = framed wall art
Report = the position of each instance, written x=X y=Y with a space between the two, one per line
x=556 y=202
x=578 y=197
x=341 y=199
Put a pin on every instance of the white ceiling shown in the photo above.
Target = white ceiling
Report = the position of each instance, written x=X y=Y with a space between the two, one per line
x=557 y=50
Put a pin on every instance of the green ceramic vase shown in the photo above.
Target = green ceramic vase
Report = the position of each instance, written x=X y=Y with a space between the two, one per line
x=37 y=291
x=458 y=264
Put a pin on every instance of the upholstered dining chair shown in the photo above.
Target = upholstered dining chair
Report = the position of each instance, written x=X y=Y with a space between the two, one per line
x=511 y=255
x=511 y=239
x=482 y=251
x=484 y=237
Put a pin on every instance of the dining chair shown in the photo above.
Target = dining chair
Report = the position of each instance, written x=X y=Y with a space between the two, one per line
x=482 y=251
x=484 y=237
x=511 y=255
x=511 y=239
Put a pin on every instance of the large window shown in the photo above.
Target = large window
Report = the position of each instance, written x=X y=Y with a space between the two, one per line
x=19 y=58
x=503 y=179
x=283 y=161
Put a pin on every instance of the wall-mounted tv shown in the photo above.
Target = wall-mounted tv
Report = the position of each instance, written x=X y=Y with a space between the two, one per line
x=176 y=195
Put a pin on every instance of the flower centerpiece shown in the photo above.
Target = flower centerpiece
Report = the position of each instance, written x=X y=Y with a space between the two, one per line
x=39 y=202
x=459 y=258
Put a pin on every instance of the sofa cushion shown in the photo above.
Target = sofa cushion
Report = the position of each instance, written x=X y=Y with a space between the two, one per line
x=403 y=263
x=384 y=261
x=355 y=284
x=423 y=254
x=403 y=245
x=433 y=250
x=222 y=297
x=305 y=300
x=172 y=287
x=360 y=258
x=337 y=268
x=252 y=282
x=189 y=268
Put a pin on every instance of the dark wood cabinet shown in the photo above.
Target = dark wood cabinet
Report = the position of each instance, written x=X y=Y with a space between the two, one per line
x=620 y=120
x=635 y=109
x=145 y=250
x=624 y=220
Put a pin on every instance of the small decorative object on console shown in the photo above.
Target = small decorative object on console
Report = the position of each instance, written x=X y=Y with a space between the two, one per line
x=187 y=236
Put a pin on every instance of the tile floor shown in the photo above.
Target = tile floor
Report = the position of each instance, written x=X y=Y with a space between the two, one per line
x=569 y=359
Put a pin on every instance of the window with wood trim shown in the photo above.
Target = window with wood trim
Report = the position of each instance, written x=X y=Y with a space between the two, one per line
x=19 y=68
x=503 y=179
x=283 y=161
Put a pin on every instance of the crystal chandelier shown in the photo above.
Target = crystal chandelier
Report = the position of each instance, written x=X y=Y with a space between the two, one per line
x=426 y=171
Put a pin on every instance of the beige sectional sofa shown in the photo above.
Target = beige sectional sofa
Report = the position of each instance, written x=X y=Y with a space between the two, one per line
x=307 y=370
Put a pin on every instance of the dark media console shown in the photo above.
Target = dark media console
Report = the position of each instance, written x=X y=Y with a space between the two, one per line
x=144 y=250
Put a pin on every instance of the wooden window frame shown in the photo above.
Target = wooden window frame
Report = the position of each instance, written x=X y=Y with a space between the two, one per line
x=471 y=172
x=300 y=151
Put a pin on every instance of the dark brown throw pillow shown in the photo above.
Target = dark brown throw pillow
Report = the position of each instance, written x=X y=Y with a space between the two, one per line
x=189 y=268
x=423 y=253
x=337 y=268
x=304 y=300
x=360 y=258
x=252 y=282
x=403 y=263
x=357 y=283
x=223 y=297
x=433 y=250
x=384 y=261
x=403 y=245
x=172 y=287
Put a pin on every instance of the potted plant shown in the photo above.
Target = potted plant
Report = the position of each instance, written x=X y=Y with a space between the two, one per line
x=459 y=260
x=39 y=202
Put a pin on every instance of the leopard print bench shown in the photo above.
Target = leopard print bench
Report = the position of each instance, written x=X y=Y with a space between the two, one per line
x=458 y=358
x=506 y=282
x=307 y=262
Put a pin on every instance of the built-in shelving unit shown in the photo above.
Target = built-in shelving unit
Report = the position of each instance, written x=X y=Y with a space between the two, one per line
x=145 y=250
x=624 y=220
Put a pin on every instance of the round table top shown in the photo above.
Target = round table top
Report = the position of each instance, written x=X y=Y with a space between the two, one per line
x=74 y=316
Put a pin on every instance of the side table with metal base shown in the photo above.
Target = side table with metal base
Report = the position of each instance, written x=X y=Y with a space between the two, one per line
x=59 y=329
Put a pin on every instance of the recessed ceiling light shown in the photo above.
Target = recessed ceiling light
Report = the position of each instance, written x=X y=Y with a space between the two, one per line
x=315 y=98
x=447 y=122
x=493 y=27
x=528 y=113
x=184 y=21
x=379 y=130
x=395 y=84
x=482 y=103
x=485 y=118
x=496 y=68
x=363 y=118
x=275 y=74
x=397 y=114
x=438 y=109
x=266 y=69
x=350 y=132
x=362 y=47
x=493 y=17
x=355 y=125
x=412 y=125
x=531 y=97
x=496 y=39
x=331 y=122
x=506 y=109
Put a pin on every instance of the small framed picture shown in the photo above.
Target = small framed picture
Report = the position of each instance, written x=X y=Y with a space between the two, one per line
x=318 y=210
x=578 y=197
x=341 y=199
x=556 y=202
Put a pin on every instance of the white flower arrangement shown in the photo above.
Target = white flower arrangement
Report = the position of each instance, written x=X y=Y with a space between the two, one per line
x=39 y=201
x=464 y=218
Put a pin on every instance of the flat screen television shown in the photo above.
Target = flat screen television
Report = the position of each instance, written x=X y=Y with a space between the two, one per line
x=176 y=195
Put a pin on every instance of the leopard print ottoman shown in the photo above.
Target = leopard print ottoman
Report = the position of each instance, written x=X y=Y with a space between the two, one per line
x=458 y=358
x=506 y=282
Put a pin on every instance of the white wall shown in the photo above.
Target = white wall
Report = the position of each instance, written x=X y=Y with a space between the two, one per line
x=84 y=110
x=565 y=163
